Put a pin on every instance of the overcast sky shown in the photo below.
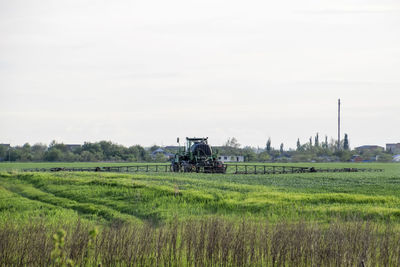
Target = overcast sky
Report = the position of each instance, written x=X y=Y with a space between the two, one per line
x=145 y=72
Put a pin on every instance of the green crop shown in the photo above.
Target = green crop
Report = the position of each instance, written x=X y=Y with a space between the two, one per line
x=158 y=197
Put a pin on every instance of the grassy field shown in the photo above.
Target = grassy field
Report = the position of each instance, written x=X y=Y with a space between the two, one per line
x=161 y=196
x=314 y=202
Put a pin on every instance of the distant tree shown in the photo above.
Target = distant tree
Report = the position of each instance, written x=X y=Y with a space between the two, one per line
x=92 y=147
x=268 y=146
x=59 y=146
x=325 y=145
x=108 y=149
x=53 y=154
x=87 y=156
x=316 y=140
x=38 y=151
x=12 y=154
x=232 y=142
x=344 y=155
x=274 y=154
x=52 y=143
x=281 y=149
x=26 y=152
x=71 y=157
x=298 y=148
x=263 y=156
x=384 y=157
x=249 y=154
x=346 y=142
x=139 y=153
x=310 y=142
x=160 y=157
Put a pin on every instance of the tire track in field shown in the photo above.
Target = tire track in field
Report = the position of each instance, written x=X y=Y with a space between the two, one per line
x=12 y=201
x=144 y=210
x=149 y=213
x=36 y=194
x=153 y=217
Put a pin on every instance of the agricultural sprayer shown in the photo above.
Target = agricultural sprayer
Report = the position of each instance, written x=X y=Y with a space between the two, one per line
x=197 y=156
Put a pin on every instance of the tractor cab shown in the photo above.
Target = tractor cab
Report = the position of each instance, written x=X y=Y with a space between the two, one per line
x=198 y=147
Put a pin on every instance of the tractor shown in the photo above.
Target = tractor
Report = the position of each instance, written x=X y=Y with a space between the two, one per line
x=197 y=156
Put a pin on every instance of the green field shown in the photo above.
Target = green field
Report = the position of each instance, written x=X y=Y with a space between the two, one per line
x=160 y=199
x=161 y=196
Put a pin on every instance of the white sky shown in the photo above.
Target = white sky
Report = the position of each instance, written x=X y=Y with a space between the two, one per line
x=145 y=72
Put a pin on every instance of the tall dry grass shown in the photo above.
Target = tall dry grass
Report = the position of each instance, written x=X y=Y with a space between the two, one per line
x=206 y=242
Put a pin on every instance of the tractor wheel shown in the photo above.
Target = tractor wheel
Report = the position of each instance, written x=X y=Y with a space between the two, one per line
x=175 y=167
x=188 y=167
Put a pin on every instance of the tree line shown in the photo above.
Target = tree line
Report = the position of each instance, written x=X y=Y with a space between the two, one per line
x=98 y=151
x=314 y=149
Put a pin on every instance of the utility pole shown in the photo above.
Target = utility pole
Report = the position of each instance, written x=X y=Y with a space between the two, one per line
x=338 y=124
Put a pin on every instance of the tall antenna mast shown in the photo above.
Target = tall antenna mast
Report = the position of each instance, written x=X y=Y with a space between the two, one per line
x=338 y=124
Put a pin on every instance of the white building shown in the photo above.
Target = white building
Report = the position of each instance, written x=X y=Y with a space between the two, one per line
x=225 y=158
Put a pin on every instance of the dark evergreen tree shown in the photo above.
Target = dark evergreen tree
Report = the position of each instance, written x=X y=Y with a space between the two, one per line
x=346 y=142
x=268 y=147
x=316 y=140
x=298 y=144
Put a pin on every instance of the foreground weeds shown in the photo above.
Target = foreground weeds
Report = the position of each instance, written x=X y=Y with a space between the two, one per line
x=204 y=242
